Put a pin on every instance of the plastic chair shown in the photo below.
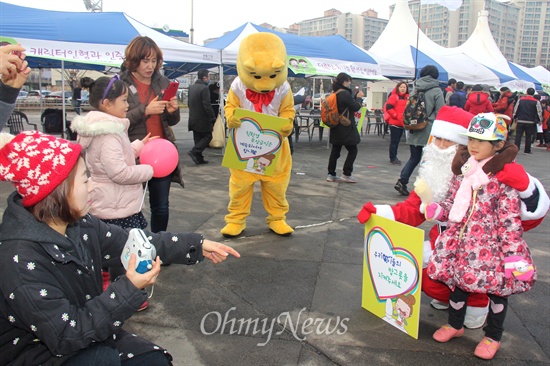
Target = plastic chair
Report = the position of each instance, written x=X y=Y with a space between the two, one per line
x=317 y=123
x=52 y=120
x=15 y=122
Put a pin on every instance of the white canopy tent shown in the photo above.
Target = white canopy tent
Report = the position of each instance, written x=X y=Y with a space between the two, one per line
x=402 y=40
x=482 y=46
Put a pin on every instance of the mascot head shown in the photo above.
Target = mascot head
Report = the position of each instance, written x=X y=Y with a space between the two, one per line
x=261 y=63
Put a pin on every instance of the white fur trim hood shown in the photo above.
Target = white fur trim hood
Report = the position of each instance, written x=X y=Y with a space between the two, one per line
x=97 y=123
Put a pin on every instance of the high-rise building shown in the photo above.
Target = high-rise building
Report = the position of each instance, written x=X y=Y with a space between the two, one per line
x=533 y=33
x=520 y=28
x=360 y=29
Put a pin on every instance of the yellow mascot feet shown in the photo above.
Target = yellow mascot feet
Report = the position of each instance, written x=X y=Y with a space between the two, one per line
x=280 y=228
x=232 y=230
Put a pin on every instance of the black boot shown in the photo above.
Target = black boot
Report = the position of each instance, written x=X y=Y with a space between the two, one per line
x=401 y=188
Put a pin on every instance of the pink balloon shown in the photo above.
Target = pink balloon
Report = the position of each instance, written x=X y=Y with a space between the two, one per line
x=162 y=155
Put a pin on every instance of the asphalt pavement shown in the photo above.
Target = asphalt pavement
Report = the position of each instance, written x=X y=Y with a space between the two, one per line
x=281 y=284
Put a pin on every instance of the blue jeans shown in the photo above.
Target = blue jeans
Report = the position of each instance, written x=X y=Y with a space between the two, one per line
x=395 y=138
x=414 y=160
x=99 y=354
x=159 y=190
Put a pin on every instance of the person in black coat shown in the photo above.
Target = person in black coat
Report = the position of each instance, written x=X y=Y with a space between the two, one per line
x=340 y=135
x=201 y=116
x=53 y=309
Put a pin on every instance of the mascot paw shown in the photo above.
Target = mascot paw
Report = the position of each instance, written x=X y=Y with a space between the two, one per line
x=280 y=228
x=232 y=230
x=233 y=122
x=287 y=130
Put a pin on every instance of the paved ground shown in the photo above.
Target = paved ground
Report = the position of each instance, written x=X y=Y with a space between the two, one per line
x=314 y=274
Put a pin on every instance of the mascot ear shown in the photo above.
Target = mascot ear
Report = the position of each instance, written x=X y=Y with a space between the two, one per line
x=249 y=64
x=278 y=64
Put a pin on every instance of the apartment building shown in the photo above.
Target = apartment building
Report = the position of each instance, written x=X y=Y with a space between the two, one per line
x=360 y=29
x=520 y=28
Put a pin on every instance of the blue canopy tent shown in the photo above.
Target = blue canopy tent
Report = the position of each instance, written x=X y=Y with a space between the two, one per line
x=92 y=40
x=318 y=56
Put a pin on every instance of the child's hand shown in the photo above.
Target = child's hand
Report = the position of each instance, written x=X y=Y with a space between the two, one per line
x=433 y=212
x=156 y=106
x=217 y=252
x=148 y=138
x=142 y=280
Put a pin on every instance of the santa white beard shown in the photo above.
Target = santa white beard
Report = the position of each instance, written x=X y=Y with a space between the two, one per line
x=435 y=169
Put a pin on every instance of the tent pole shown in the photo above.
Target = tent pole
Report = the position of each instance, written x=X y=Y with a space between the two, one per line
x=417 y=37
x=222 y=99
x=63 y=95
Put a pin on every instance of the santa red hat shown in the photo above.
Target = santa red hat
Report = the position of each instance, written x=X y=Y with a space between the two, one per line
x=450 y=123
x=36 y=163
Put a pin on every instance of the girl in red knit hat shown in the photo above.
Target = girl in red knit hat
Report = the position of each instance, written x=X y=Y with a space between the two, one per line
x=54 y=310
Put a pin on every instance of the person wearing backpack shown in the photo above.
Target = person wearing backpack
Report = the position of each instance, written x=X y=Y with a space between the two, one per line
x=417 y=139
x=395 y=106
x=341 y=135
x=458 y=99
x=505 y=104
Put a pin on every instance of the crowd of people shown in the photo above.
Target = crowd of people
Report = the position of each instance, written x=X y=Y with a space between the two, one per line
x=62 y=228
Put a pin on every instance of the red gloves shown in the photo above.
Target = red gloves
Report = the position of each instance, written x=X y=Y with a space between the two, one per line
x=514 y=175
x=367 y=210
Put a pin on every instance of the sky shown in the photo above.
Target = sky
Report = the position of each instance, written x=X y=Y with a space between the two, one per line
x=212 y=18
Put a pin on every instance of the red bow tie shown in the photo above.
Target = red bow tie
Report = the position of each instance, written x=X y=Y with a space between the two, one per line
x=259 y=99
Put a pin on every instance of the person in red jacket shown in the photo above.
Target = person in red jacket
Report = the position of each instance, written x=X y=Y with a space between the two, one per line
x=395 y=106
x=505 y=104
x=478 y=101
x=447 y=144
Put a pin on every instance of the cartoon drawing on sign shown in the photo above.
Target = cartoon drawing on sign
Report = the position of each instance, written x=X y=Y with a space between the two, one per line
x=259 y=165
x=397 y=313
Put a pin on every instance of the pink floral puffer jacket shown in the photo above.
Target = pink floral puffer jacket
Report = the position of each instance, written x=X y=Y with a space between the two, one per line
x=474 y=259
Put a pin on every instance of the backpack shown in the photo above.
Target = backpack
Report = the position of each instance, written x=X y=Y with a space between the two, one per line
x=415 y=116
x=329 y=111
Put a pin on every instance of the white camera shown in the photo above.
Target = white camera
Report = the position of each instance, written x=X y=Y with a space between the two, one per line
x=139 y=245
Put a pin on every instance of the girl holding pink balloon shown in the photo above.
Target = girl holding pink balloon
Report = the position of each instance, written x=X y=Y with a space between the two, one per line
x=116 y=181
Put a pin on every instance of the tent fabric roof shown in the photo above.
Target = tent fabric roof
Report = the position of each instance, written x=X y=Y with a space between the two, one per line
x=483 y=47
x=330 y=54
x=92 y=39
x=401 y=41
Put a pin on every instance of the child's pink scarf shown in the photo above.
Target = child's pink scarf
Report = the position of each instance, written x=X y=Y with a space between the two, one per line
x=474 y=178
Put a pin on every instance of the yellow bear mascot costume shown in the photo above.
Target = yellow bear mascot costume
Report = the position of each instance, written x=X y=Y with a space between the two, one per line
x=261 y=86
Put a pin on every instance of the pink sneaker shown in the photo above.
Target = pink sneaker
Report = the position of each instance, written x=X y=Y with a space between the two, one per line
x=446 y=333
x=144 y=306
x=487 y=348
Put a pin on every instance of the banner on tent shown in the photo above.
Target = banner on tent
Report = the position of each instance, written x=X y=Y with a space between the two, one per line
x=100 y=54
x=332 y=67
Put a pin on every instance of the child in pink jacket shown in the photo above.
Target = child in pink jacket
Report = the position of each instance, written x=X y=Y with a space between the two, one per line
x=482 y=249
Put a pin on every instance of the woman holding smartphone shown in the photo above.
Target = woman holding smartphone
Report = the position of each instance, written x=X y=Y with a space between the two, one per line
x=148 y=113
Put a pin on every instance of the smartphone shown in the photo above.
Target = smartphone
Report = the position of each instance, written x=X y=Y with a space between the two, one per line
x=171 y=91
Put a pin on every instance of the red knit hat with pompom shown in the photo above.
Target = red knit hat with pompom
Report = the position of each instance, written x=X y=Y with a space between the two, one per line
x=36 y=163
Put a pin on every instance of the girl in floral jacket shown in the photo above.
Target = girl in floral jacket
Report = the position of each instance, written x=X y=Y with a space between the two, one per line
x=482 y=250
